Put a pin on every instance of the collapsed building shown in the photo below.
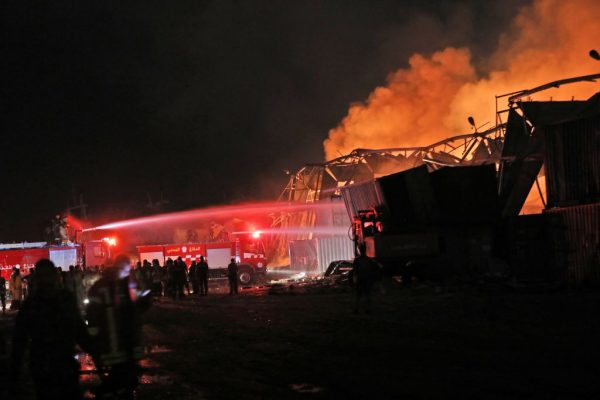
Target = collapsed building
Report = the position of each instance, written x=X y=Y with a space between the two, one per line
x=456 y=203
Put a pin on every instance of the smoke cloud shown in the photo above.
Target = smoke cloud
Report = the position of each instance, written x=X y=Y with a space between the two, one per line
x=432 y=99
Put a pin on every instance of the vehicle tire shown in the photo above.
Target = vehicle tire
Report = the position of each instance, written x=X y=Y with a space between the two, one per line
x=245 y=277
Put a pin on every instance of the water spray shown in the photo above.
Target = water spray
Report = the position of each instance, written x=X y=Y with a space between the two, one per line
x=219 y=212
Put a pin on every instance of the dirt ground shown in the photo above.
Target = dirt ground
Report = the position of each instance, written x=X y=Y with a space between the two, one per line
x=483 y=342
x=470 y=342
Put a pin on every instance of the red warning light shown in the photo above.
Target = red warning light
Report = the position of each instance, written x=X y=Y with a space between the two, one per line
x=256 y=234
x=111 y=241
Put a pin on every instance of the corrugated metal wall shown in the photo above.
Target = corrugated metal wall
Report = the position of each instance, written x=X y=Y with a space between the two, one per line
x=572 y=157
x=362 y=196
x=314 y=255
x=333 y=249
x=582 y=236
x=535 y=248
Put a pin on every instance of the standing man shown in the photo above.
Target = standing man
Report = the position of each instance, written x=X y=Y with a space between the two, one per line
x=232 y=272
x=156 y=279
x=15 y=285
x=181 y=273
x=49 y=324
x=3 y=293
x=365 y=272
x=203 y=276
x=193 y=274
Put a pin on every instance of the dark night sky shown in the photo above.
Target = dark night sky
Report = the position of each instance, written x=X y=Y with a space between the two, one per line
x=204 y=100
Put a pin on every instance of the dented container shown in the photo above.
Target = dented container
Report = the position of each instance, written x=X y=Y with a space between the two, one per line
x=581 y=225
x=572 y=162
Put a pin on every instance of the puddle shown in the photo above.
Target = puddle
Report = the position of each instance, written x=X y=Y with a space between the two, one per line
x=147 y=363
x=306 y=388
x=158 y=349
x=147 y=379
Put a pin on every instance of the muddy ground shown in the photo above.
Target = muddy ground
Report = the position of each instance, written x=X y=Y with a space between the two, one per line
x=471 y=342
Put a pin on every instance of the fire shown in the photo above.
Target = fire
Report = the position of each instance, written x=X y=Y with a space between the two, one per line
x=432 y=99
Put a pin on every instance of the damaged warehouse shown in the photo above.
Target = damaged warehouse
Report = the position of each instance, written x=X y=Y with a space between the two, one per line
x=452 y=208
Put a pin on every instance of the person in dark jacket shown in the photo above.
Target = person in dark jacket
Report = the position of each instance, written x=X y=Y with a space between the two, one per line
x=193 y=275
x=157 y=272
x=202 y=270
x=180 y=278
x=3 y=293
x=232 y=272
x=50 y=323
x=114 y=320
x=364 y=274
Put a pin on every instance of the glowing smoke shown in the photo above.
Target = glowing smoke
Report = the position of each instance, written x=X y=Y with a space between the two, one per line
x=431 y=100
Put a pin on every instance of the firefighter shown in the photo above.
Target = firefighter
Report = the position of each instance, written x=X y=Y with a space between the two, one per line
x=3 y=293
x=15 y=286
x=232 y=272
x=113 y=316
x=203 y=276
x=50 y=321
x=364 y=274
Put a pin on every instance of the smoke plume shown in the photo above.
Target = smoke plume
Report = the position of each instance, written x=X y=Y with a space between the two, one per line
x=432 y=99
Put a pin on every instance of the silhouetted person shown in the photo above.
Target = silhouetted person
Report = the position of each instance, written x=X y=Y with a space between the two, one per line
x=203 y=275
x=15 y=285
x=146 y=276
x=186 y=278
x=113 y=316
x=193 y=274
x=365 y=272
x=232 y=272
x=50 y=321
x=170 y=276
x=3 y=293
x=156 y=278
x=179 y=278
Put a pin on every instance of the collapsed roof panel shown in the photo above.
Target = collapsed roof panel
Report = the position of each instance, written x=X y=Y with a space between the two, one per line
x=466 y=195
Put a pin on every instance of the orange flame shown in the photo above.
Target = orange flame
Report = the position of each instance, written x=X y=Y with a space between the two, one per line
x=432 y=99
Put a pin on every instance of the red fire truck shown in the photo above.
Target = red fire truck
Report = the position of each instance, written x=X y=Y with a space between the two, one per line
x=249 y=255
x=25 y=255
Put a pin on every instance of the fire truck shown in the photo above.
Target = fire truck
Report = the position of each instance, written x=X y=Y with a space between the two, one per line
x=25 y=255
x=248 y=253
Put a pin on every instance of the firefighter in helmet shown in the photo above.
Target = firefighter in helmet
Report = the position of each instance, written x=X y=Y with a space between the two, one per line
x=113 y=314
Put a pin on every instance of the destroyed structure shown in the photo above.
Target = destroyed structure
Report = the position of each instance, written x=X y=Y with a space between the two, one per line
x=454 y=206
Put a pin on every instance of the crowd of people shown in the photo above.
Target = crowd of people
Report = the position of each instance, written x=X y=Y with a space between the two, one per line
x=50 y=322
x=173 y=279
x=76 y=280
x=96 y=309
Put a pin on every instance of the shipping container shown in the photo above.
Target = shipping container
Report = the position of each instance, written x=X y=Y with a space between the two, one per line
x=362 y=196
x=572 y=162
x=581 y=226
x=314 y=255
x=409 y=197
x=534 y=248
x=466 y=195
